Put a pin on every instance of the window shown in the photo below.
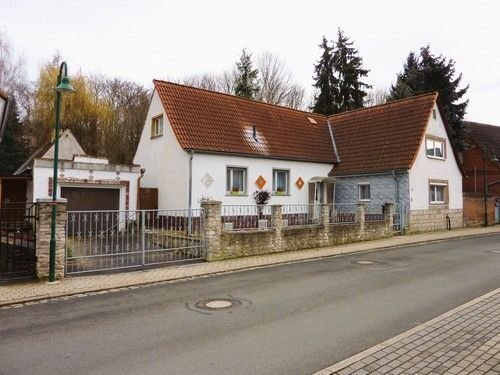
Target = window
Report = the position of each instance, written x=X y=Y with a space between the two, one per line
x=435 y=148
x=364 y=192
x=157 y=126
x=438 y=192
x=281 y=180
x=236 y=180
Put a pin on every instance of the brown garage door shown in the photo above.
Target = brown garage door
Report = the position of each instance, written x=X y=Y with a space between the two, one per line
x=91 y=199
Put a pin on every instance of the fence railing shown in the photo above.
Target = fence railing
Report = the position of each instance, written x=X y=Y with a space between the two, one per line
x=301 y=214
x=343 y=213
x=246 y=217
x=374 y=212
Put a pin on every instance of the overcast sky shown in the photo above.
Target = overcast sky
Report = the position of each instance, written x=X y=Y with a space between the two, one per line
x=141 y=40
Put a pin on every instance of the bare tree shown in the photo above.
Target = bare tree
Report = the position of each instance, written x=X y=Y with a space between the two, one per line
x=223 y=82
x=376 y=96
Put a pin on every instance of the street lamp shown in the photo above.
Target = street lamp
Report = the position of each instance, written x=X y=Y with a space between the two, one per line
x=63 y=86
x=4 y=102
x=485 y=186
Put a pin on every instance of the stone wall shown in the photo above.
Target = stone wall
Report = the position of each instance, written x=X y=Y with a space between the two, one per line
x=223 y=244
x=474 y=209
x=43 y=231
x=434 y=219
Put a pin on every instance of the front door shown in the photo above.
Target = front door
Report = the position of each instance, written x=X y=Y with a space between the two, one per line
x=315 y=199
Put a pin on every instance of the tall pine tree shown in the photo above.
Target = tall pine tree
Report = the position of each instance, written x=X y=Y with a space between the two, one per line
x=13 y=151
x=427 y=73
x=348 y=71
x=324 y=81
x=246 y=82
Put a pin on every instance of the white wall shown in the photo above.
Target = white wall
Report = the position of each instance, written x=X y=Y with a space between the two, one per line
x=166 y=163
x=215 y=166
x=41 y=177
x=425 y=168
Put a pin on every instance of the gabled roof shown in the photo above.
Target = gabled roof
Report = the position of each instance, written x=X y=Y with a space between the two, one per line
x=209 y=121
x=487 y=137
x=381 y=138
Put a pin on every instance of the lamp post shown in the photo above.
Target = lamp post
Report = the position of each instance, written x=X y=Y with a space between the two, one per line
x=4 y=103
x=63 y=86
x=485 y=186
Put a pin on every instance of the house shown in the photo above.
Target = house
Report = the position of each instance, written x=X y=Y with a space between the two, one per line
x=480 y=164
x=198 y=143
x=201 y=144
x=88 y=183
x=400 y=152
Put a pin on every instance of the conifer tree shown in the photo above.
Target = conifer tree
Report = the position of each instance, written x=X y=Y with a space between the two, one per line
x=324 y=81
x=13 y=151
x=246 y=83
x=428 y=73
x=348 y=70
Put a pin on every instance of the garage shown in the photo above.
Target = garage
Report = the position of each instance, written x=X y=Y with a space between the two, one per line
x=91 y=199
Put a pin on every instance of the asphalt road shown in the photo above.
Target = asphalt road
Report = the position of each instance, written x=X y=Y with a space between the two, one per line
x=294 y=319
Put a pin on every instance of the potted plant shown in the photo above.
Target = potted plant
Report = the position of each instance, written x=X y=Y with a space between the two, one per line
x=280 y=191
x=261 y=197
x=235 y=190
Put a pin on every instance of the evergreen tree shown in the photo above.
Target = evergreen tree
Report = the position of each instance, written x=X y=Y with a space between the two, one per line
x=246 y=83
x=427 y=73
x=324 y=81
x=348 y=70
x=13 y=150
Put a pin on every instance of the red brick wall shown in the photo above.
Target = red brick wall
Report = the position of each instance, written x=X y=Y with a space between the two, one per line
x=473 y=167
x=474 y=209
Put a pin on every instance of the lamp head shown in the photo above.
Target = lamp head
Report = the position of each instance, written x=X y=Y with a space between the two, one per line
x=494 y=158
x=65 y=86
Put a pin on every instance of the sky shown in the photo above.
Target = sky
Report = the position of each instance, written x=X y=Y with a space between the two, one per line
x=153 y=39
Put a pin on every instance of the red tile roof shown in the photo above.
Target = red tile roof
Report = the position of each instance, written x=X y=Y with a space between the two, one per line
x=381 y=138
x=485 y=136
x=214 y=122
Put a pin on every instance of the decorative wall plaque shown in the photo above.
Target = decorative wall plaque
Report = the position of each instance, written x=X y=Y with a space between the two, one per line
x=299 y=183
x=207 y=180
x=260 y=182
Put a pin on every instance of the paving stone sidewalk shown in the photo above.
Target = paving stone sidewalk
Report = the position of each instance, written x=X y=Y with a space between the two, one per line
x=465 y=340
x=32 y=291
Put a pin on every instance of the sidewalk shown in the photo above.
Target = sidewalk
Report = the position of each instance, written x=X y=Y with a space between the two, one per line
x=33 y=291
x=465 y=340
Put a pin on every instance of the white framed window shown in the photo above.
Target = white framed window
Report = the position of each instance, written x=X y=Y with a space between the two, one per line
x=236 y=180
x=438 y=192
x=281 y=181
x=157 y=126
x=435 y=148
x=364 y=191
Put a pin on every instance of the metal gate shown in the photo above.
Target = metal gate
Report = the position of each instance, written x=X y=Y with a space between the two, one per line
x=17 y=240
x=399 y=218
x=111 y=240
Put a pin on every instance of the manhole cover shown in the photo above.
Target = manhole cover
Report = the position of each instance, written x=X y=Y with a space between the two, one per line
x=218 y=304
x=364 y=262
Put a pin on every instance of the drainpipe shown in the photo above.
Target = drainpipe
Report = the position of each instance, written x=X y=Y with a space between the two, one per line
x=138 y=198
x=396 y=199
x=190 y=192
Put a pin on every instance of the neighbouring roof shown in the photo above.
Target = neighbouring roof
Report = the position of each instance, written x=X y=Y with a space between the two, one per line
x=209 y=121
x=485 y=136
x=381 y=138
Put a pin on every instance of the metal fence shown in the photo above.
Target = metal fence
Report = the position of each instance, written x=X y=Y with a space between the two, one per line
x=301 y=214
x=343 y=213
x=246 y=217
x=107 y=240
x=399 y=217
x=374 y=212
x=17 y=240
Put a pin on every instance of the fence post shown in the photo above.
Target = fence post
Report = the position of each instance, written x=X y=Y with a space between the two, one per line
x=277 y=216
x=389 y=215
x=143 y=236
x=325 y=214
x=43 y=224
x=360 y=216
x=212 y=228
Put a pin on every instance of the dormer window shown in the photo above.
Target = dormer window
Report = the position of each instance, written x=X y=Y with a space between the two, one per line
x=435 y=147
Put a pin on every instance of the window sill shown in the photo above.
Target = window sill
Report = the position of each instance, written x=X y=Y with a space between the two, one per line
x=434 y=204
x=156 y=136
x=236 y=195
x=364 y=200
x=435 y=157
x=280 y=195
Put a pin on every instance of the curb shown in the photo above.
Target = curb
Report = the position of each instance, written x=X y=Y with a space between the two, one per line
x=314 y=257
x=357 y=357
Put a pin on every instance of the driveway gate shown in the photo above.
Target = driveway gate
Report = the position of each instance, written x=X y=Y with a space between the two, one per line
x=17 y=240
x=399 y=218
x=110 y=240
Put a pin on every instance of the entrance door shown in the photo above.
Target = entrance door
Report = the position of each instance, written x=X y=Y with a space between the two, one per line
x=497 y=211
x=315 y=199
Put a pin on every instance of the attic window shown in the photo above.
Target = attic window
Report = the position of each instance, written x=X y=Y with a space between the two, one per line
x=312 y=121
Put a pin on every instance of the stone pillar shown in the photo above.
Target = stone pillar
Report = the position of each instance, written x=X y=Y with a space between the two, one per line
x=277 y=216
x=325 y=214
x=389 y=215
x=43 y=229
x=360 y=216
x=212 y=227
